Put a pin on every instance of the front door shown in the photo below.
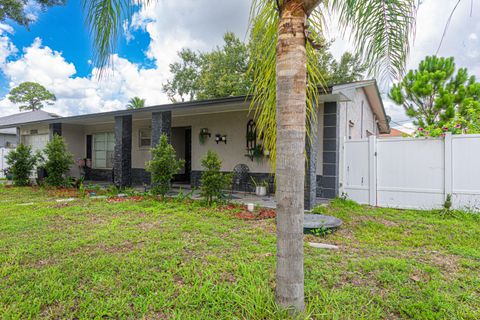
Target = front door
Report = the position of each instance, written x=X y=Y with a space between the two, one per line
x=188 y=154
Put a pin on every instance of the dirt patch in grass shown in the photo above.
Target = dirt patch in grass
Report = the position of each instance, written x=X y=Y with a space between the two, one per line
x=228 y=277
x=147 y=226
x=267 y=225
x=55 y=310
x=43 y=263
x=124 y=199
x=124 y=247
x=385 y=222
x=447 y=263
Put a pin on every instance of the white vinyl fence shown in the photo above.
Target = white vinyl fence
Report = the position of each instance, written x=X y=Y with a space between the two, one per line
x=413 y=172
x=3 y=160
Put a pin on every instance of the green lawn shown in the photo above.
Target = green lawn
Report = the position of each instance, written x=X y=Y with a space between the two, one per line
x=163 y=260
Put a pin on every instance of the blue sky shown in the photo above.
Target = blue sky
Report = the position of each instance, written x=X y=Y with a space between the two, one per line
x=56 y=50
x=63 y=28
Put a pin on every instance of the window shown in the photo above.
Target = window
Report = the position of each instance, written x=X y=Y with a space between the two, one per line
x=103 y=148
x=145 y=138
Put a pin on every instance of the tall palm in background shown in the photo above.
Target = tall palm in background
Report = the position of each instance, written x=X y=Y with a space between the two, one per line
x=136 y=103
x=285 y=91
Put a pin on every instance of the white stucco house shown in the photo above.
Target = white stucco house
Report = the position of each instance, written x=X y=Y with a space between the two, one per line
x=116 y=145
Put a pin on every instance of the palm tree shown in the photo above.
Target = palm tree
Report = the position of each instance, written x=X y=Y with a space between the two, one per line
x=286 y=78
x=285 y=90
x=136 y=103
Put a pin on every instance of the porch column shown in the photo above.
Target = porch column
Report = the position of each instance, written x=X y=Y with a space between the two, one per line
x=122 y=161
x=54 y=129
x=19 y=136
x=161 y=124
x=310 y=194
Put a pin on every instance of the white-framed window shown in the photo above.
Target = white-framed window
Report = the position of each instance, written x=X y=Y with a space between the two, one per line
x=145 y=138
x=103 y=149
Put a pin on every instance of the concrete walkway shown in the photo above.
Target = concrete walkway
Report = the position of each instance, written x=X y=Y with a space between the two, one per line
x=238 y=197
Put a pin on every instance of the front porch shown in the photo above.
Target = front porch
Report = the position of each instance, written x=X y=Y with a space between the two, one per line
x=114 y=147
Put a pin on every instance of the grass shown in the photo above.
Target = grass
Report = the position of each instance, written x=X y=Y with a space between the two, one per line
x=168 y=260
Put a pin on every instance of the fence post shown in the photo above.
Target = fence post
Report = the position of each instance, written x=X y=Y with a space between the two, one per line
x=448 y=164
x=372 y=170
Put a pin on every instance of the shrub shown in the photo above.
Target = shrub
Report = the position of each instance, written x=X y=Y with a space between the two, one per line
x=213 y=181
x=58 y=161
x=163 y=166
x=21 y=162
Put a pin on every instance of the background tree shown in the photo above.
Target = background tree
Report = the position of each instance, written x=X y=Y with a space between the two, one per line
x=434 y=94
x=348 y=69
x=223 y=72
x=15 y=9
x=31 y=95
x=186 y=73
x=21 y=162
x=219 y=73
x=58 y=161
x=163 y=166
x=136 y=103
x=288 y=31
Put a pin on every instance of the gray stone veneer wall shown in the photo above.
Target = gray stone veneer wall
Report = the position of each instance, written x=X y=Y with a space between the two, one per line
x=100 y=175
x=161 y=124
x=122 y=162
x=328 y=184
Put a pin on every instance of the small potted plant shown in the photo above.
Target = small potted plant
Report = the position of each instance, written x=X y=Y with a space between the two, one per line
x=204 y=135
x=260 y=187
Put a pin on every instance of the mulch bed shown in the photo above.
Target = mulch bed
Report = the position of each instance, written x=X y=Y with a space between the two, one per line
x=63 y=192
x=261 y=214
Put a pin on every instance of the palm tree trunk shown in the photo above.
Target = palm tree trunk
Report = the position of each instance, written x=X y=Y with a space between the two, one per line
x=290 y=163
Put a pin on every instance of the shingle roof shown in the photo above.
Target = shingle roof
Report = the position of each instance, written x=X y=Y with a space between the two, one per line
x=30 y=116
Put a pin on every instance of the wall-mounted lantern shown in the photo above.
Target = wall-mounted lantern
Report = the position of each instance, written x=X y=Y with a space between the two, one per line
x=204 y=134
x=220 y=138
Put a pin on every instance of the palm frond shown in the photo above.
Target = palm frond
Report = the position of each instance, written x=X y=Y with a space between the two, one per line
x=104 y=20
x=381 y=32
x=263 y=32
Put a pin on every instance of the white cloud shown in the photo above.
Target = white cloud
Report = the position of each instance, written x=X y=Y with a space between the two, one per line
x=126 y=31
x=78 y=95
x=171 y=26
x=7 y=48
x=200 y=25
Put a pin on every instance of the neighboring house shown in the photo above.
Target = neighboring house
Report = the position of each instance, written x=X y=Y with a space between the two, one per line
x=8 y=132
x=118 y=143
x=8 y=138
x=9 y=125
x=394 y=133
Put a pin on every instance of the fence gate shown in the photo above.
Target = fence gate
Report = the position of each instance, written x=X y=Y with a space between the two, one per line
x=414 y=173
